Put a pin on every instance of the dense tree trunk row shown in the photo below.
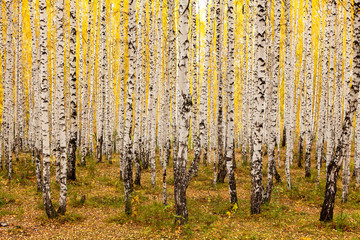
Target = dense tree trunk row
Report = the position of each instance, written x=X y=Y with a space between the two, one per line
x=202 y=88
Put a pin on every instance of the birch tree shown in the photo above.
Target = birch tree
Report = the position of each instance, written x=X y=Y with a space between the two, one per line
x=204 y=116
x=80 y=100
x=230 y=143
x=138 y=85
x=172 y=56
x=85 y=94
x=193 y=60
x=128 y=181
x=36 y=111
x=289 y=96
x=273 y=101
x=101 y=88
x=335 y=163
x=73 y=101
x=323 y=101
x=185 y=105
x=121 y=110
x=171 y=65
x=195 y=121
x=8 y=110
x=106 y=95
x=259 y=95
x=44 y=85
x=2 y=49
x=221 y=171
x=19 y=89
x=165 y=118
x=338 y=69
x=60 y=83
x=152 y=110
x=357 y=149
x=331 y=36
x=309 y=91
x=347 y=79
x=182 y=178
x=92 y=90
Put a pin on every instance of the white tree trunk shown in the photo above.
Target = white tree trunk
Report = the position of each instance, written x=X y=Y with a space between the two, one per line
x=2 y=50
x=129 y=105
x=185 y=105
x=73 y=101
x=36 y=98
x=93 y=93
x=60 y=84
x=165 y=119
x=85 y=103
x=273 y=101
x=100 y=122
x=309 y=91
x=259 y=96
x=230 y=134
x=342 y=147
x=152 y=111
x=221 y=171
x=347 y=80
x=195 y=137
x=204 y=111
x=8 y=110
x=44 y=109
x=19 y=87
x=81 y=79
x=138 y=87
x=289 y=96
x=323 y=99
x=121 y=110
x=330 y=126
x=357 y=148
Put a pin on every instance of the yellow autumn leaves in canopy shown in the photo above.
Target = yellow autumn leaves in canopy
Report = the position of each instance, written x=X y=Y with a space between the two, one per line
x=298 y=12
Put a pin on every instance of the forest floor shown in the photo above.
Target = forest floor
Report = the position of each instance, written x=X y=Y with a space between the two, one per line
x=291 y=214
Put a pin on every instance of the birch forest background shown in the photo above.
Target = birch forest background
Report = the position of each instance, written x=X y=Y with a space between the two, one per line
x=184 y=119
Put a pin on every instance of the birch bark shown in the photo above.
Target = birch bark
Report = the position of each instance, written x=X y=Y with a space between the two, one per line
x=128 y=179
x=195 y=122
x=138 y=85
x=259 y=95
x=309 y=91
x=323 y=101
x=185 y=105
x=289 y=96
x=347 y=80
x=73 y=101
x=335 y=163
x=273 y=101
x=204 y=117
x=153 y=102
x=85 y=95
x=230 y=143
x=101 y=82
x=221 y=171
x=49 y=208
x=8 y=109
x=60 y=84
x=36 y=85
x=330 y=129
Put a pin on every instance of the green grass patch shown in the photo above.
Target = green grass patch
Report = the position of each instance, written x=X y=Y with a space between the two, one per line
x=6 y=198
x=5 y=212
x=105 y=201
x=106 y=180
x=154 y=214
x=70 y=217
